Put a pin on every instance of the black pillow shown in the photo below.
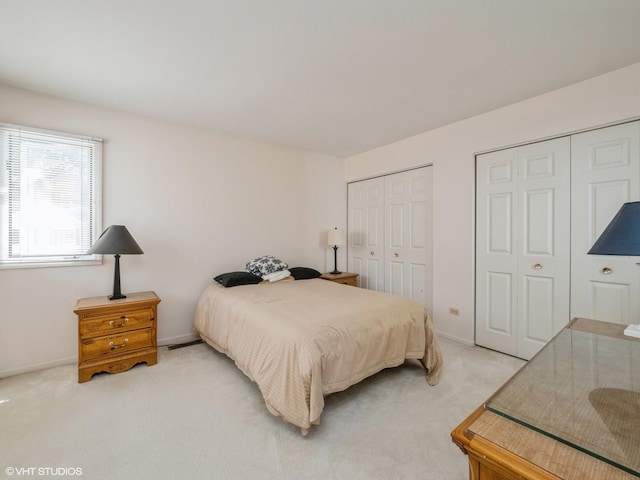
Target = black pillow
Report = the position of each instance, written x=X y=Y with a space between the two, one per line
x=233 y=279
x=304 y=273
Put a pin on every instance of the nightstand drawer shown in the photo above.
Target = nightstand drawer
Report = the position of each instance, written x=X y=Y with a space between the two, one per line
x=116 y=344
x=107 y=324
x=347 y=281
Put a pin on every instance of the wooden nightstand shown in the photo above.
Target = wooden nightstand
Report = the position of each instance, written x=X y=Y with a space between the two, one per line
x=115 y=335
x=345 y=278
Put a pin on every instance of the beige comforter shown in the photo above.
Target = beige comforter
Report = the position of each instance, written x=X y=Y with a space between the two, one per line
x=300 y=340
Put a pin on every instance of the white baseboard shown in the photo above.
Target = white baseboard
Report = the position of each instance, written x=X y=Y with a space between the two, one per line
x=190 y=337
x=38 y=366
x=455 y=339
x=162 y=342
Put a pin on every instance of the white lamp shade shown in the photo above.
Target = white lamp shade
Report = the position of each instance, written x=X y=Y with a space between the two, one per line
x=335 y=237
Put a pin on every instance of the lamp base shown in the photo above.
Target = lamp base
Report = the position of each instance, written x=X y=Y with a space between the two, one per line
x=335 y=261
x=117 y=293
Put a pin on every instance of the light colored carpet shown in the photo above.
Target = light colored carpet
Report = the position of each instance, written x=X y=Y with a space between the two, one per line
x=196 y=416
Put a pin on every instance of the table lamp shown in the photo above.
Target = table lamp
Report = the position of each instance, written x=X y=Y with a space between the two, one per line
x=118 y=241
x=622 y=237
x=335 y=238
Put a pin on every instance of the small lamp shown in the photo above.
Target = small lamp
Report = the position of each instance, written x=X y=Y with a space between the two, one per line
x=116 y=240
x=622 y=237
x=335 y=237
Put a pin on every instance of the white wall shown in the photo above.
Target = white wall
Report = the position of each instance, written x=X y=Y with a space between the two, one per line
x=602 y=100
x=198 y=203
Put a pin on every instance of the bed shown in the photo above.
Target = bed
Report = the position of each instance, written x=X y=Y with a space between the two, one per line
x=300 y=340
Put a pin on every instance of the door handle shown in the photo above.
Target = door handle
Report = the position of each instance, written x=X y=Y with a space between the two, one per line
x=372 y=253
x=396 y=255
x=537 y=266
x=607 y=270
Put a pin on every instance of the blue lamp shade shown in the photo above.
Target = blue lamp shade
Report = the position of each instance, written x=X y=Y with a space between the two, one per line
x=622 y=235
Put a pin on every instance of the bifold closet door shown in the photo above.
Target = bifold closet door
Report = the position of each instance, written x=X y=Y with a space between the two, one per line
x=496 y=250
x=366 y=232
x=390 y=222
x=605 y=174
x=522 y=246
x=408 y=239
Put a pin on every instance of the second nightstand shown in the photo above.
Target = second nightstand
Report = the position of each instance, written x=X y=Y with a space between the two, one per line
x=345 y=278
x=114 y=335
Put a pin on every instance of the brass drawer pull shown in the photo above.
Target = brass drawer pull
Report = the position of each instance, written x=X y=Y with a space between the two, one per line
x=113 y=346
x=606 y=270
x=537 y=266
x=119 y=325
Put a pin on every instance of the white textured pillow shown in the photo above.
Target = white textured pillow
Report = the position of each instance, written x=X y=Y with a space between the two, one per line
x=265 y=265
x=275 y=276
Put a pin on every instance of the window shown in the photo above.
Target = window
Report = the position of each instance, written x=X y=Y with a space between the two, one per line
x=50 y=197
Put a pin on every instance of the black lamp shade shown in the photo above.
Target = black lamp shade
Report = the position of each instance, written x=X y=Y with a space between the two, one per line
x=622 y=235
x=116 y=240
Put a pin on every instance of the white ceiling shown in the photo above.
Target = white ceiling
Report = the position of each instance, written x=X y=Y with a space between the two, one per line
x=332 y=76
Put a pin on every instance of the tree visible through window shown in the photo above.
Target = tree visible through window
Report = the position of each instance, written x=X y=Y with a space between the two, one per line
x=50 y=189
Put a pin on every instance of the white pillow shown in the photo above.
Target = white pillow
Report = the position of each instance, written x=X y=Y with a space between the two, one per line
x=275 y=276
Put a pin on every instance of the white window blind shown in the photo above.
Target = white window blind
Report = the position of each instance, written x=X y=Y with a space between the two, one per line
x=50 y=196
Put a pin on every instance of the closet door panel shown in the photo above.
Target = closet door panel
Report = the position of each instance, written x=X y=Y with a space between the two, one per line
x=602 y=198
x=496 y=256
x=498 y=314
x=609 y=299
x=537 y=309
x=407 y=220
x=605 y=174
x=418 y=282
x=374 y=276
x=395 y=279
x=544 y=248
x=418 y=217
x=366 y=232
x=396 y=225
x=500 y=223
x=538 y=226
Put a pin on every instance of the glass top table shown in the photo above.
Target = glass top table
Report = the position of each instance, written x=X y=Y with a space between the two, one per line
x=582 y=389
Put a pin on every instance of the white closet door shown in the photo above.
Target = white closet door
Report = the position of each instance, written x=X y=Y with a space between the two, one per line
x=605 y=174
x=544 y=246
x=496 y=250
x=522 y=247
x=408 y=239
x=366 y=232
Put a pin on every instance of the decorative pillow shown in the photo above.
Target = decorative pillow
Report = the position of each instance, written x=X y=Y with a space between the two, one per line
x=304 y=273
x=233 y=279
x=264 y=265
x=277 y=276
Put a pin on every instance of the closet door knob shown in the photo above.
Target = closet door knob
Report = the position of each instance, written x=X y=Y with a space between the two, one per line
x=538 y=266
x=396 y=255
x=372 y=253
x=606 y=270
